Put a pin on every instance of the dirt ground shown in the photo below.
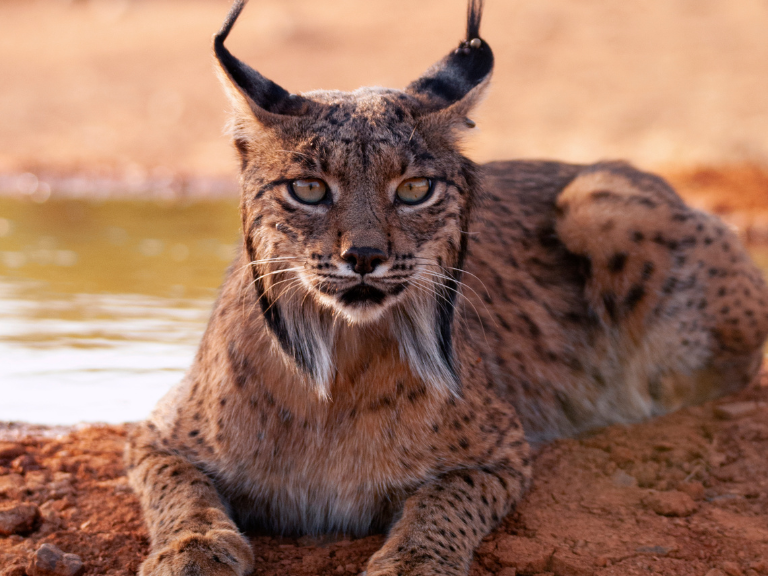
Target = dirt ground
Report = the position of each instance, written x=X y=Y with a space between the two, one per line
x=127 y=86
x=684 y=494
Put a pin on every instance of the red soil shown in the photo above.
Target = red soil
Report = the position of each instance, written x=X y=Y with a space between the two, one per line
x=684 y=494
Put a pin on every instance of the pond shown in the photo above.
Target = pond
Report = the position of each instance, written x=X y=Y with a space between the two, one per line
x=102 y=304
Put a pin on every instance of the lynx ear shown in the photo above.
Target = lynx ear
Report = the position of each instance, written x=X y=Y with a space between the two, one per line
x=248 y=90
x=459 y=79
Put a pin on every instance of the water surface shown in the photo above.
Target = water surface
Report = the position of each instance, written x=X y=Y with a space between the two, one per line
x=102 y=305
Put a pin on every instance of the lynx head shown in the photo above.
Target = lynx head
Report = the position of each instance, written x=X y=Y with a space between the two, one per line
x=355 y=205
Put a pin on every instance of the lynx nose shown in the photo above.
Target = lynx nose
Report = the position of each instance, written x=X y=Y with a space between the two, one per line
x=364 y=260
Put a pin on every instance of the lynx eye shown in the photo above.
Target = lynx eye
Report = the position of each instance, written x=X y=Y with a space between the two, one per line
x=309 y=190
x=414 y=190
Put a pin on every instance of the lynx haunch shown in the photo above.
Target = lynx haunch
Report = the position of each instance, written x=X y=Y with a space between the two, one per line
x=400 y=322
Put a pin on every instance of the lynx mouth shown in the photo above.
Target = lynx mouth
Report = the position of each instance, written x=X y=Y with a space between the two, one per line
x=361 y=295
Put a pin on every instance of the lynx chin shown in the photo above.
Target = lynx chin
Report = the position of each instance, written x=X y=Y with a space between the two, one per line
x=400 y=322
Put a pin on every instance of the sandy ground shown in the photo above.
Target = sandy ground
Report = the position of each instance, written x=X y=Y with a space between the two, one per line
x=128 y=85
x=683 y=495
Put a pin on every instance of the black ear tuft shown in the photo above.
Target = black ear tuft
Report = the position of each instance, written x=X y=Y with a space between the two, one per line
x=454 y=76
x=474 y=15
x=262 y=91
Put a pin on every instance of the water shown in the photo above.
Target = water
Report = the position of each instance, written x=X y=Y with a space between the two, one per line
x=102 y=305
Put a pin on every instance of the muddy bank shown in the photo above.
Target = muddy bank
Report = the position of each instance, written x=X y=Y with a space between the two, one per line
x=685 y=494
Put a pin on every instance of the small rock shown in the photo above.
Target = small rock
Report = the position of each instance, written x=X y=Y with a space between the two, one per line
x=624 y=480
x=11 y=484
x=655 y=550
x=732 y=569
x=694 y=489
x=11 y=450
x=672 y=503
x=35 y=481
x=351 y=568
x=646 y=473
x=17 y=518
x=622 y=455
x=24 y=463
x=735 y=410
x=715 y=572
x=60 y=488
x=51 y=561
x=565 y=563
x=716 y=459
x=524 y=554
x=508 y=571
x=14 y=568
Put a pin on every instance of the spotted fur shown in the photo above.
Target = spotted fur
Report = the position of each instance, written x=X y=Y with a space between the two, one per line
x=519 y=299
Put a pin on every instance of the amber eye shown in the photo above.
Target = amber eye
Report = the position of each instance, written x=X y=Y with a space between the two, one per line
x=414 y=190
x=309 y=190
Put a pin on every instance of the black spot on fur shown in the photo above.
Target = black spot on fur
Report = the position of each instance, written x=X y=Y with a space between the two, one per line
x=634 y=296
x=617 y=262
x=609 y=301
x=239 y=365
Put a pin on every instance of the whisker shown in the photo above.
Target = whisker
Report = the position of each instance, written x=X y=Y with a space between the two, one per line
x=267 y=260
x=297 y=153
x=429 y=287
x=431 y=263
x=296 y=282
x=479 y=317
x=278 y=272
x=459 y=282
x=248 y=286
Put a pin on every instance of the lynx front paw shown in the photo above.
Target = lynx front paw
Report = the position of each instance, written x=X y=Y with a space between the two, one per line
x=217 y=553
x=416 y=561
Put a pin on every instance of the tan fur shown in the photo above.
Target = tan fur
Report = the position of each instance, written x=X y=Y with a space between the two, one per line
x=553 y=299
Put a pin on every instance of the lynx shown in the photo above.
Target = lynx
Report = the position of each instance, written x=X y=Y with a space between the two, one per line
x=401 y=322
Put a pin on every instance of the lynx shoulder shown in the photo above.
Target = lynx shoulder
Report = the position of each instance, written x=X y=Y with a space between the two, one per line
x=400 y=322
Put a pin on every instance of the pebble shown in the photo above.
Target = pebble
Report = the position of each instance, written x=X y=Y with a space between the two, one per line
x=14 y=569
x=732 y=569
x=524 y=554
x=49 y=560
x=623 y=480
x=567 y=564
x=622 y=456
x=672 y=503
x=24 y=463
x=655 y=550
x=694 y=489
x=735 y=410
x=11 y=450
x=17 y=518
x=11 y=484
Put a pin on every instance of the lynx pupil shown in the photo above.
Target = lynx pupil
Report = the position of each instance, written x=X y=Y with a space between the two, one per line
x=309 y=190
x=414 y=190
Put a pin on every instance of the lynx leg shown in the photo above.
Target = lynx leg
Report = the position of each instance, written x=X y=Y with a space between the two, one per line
x=673 y=286
x=189 y=528
x=445 y=520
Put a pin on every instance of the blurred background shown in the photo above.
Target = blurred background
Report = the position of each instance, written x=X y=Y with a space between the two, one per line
x=118 y=209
